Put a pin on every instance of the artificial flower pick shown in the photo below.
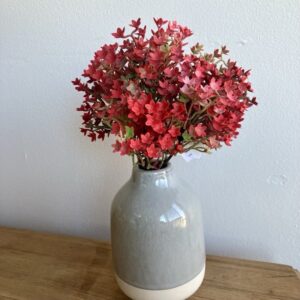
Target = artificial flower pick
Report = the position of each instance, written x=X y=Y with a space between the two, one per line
x=159 y=100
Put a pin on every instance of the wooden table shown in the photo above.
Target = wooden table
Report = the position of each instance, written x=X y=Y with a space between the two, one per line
x=37 y=266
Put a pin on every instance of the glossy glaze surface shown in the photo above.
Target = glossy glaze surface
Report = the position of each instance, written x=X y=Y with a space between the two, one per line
x=157 y=233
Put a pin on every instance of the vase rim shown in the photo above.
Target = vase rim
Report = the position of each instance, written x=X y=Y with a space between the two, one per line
x=167 y=168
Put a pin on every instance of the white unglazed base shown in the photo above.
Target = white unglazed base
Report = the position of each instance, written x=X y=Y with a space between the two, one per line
x=181 y=292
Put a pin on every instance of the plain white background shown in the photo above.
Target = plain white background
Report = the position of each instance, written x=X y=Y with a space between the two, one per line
x=53 y=179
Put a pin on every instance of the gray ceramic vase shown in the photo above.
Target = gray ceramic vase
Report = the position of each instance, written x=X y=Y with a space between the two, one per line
x=157 y=237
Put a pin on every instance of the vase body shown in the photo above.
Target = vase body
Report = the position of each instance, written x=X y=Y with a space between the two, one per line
x=157 y=237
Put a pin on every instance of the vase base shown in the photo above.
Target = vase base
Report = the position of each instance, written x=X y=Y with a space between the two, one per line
x=181 y=292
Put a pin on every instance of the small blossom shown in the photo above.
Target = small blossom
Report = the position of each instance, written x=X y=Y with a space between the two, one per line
x=200 y=130
x=152 y=151
x=197 y=131
x=200 y=71
x=156 y=124
x=215 y=84
x=159 y=22
x=179 y=111
x=166 y=142
x=119 y=33
x=174 y=131
x=115 y=128
x=213 y=142
x=136 y=23
x=125 y=148
x=147 y=138
x=116 y=146
x=136 y=145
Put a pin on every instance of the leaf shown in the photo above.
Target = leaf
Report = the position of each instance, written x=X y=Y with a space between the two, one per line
x=165 y=48
x=130 y=76
x=197 y=49
x=183 y=98
x=186 y=137
x=129 y=132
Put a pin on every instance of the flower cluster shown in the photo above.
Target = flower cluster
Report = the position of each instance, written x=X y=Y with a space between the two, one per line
x=159 y=100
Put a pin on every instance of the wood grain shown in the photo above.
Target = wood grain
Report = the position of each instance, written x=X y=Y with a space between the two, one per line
x=38 y=266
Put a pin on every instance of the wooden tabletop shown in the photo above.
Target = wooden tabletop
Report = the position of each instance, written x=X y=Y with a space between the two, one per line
x=37 y=266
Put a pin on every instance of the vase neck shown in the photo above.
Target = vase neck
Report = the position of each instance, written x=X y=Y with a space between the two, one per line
x=161 y=178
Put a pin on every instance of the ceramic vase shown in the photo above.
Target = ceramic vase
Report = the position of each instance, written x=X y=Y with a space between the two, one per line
x=157 y=237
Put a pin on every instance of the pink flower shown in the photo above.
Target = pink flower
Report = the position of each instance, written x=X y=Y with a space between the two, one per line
x=119 y=33
x=213 y=142
x=122 y=147
x=231 y=95
x=147 y=138
x=141 y=72
x=171 y=72
x=117 y=146
x=125 y=148
x=219 y=108
x=166 y=142
x=215 y=84
x=174 y=131
x=219 y=122
x=179 y=111
x=157 y=107
x=136 y=23
x=156 y=56
x=159 y=22
x=136 y=106
x=200 y=71
x=179 y=148
x=186 y=80
x=152 y=151
x=115 y=128
x=172 y=26
x=186 y=89
x=156 y=124
x=198 y=130
x=166 y=88
x=136 y=145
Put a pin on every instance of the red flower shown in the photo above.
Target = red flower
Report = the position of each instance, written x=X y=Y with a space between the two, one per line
x=159 y=22
x=117 y=146
x=156 y=56
x=157 y=107
x=179 y=148
x=119 y=33
x=153 y=152
x=123 y=147
x=166 y=142
x=136 y=145
x=156 y=124
x=213 y=142
x=136 y=23
x=215 y=84
x=174 y=131
x=198 y=130
x=200 y=72
x=137 y=105
x=159 y=100
x=179 y=111
x=147 y=138
x=115 y=128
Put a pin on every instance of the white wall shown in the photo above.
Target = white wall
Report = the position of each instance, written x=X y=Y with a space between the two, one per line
x=54 y=179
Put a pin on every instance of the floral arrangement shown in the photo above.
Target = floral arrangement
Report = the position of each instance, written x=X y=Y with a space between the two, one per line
x=160 y=101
